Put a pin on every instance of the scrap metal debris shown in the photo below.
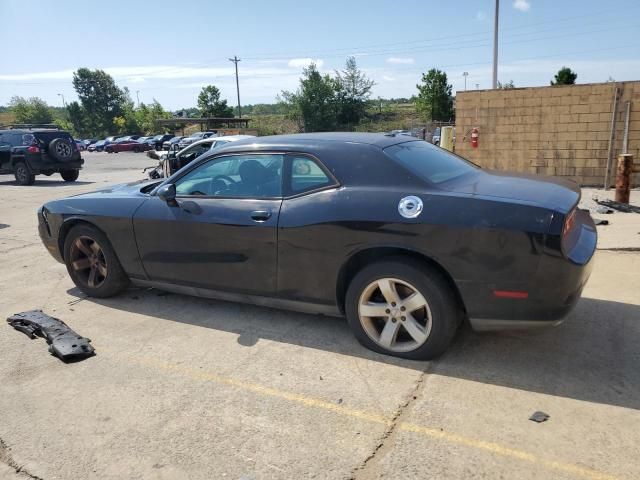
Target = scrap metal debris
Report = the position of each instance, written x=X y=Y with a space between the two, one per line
x=623 y=207
x=63 y=342
x=539 y=417
x=599 y=221
x=603 y=209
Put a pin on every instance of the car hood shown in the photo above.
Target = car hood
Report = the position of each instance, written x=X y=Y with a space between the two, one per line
x=549 y=192
x=132 y=189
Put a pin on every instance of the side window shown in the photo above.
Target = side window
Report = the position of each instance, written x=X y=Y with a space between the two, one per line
x=307 y=175
x=237 y=176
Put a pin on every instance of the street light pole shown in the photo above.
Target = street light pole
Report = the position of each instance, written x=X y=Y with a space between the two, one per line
x=495 y=46
x=64 y=104
x=235 y=60
x=465 y=75
x=138 y=97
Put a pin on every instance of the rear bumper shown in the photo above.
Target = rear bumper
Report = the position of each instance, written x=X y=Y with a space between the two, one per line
x=38 y=164
x=547 y=297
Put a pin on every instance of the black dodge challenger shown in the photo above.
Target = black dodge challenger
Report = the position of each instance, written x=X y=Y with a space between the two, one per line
x=401 y=236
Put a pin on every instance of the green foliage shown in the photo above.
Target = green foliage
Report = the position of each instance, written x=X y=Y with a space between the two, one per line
x=33 y=110
x=434 y=96
x=76 y=117
x=147 y=117
x=210 y=104
x=314 y=104
x=565 y=76
x=353 y=90
x=507 y=85
x=101 y=99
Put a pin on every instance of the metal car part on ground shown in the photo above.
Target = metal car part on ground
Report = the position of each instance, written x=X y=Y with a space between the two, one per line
x=63 y=342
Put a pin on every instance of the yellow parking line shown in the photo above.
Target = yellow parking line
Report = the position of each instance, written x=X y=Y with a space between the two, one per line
x=453 y=438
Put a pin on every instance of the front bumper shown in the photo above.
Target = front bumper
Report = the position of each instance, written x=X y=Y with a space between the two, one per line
x=45 y=231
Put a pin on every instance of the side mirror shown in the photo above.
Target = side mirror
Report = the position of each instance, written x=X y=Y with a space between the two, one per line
x=167 y=193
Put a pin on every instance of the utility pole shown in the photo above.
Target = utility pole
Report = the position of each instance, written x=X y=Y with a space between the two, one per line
x=465 y=75
x=138 y=97
x=235 y=60
x=477 y=86
x=64 y=104
x=495 y=46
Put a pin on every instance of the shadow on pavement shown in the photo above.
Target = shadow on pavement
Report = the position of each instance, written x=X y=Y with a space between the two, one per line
x=593 y=356
x=47 y=183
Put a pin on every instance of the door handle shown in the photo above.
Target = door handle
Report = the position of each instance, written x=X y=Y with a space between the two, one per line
x=261 y=215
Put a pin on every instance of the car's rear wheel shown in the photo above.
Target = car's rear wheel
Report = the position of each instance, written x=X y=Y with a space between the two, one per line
x=23 y=174
x=69 y=175
x=92 y=263
x=397 y=308
x=136 y=150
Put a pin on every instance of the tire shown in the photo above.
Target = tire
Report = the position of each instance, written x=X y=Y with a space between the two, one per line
x=23 y=174
x=136 y=150
x=61 y=149
x=435 y=323
x=109 y=278
x=69 y=175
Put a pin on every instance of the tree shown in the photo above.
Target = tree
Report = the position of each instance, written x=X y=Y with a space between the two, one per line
x=353 y=91
x=147 y=116
x=210 y=104
x=314 y=103
x=101 y=99
x=507 y=85
x=77 y=119
x=565 y=76
x=34 y=110
x=434 y=96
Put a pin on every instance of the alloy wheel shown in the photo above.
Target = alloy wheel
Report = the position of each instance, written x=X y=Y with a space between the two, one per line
x=395 y=315
x=88 y=261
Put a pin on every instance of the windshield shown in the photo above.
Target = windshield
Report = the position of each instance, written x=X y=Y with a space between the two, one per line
x=429 y=162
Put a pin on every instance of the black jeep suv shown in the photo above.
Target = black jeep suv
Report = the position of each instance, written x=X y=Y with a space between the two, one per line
x=30 y=152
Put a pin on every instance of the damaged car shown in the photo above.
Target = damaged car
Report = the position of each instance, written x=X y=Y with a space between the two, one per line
x=403 y=238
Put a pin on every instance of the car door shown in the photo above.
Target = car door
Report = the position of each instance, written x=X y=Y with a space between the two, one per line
x=221 y=231
x=5 y=151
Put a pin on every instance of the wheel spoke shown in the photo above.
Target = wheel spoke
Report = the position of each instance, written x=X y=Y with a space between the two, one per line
x=389 y=334
x=414 y=329
x=95 y=248
x=371 y=309
x=413 y=302
x=80 y=245
x=102 y=269
x=81 y=264
x=92 y=277
x=388 y=289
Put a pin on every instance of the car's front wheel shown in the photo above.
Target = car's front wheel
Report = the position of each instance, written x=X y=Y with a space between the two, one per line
x=23 y=174
x=92 y=263
x=397 y=308
x=70 y=175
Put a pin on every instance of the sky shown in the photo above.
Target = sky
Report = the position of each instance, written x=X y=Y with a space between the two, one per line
x=168 y=50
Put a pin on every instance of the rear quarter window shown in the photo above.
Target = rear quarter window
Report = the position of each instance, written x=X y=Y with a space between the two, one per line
x=46 y=137
x=429 y=162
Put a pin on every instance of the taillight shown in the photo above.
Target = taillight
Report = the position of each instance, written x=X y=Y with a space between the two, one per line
x=33 y=149
x=568 y=223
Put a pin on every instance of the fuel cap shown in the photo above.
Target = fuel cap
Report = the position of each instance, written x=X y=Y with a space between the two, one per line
x=410 y=207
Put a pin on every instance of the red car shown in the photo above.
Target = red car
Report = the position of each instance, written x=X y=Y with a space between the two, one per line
x=126 y=146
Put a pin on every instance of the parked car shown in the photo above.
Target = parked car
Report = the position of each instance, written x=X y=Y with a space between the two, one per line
x=157 y=141
x=176 y=160
x=194 y=137
x=404 y=238
x=98 y=146
x=27 y=153
x=143 y=139
x=435 y=138
x=126 y=146
x=168 y=144
x=81 y=146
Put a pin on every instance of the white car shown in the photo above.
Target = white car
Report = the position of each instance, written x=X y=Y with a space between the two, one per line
x=173 y=163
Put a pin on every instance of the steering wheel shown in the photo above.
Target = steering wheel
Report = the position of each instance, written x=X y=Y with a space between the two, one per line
x=226 y=178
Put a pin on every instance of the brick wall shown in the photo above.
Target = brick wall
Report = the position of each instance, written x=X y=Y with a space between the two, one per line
x=562 y=130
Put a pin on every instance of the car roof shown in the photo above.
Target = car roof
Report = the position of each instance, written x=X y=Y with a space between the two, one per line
x=233 y=138
x=380 y=140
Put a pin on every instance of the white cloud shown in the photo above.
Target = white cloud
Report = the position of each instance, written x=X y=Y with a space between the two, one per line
x=304 y=62
x=388 y=78
x=401 y=60
x=481 y=16
x=522 y=5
